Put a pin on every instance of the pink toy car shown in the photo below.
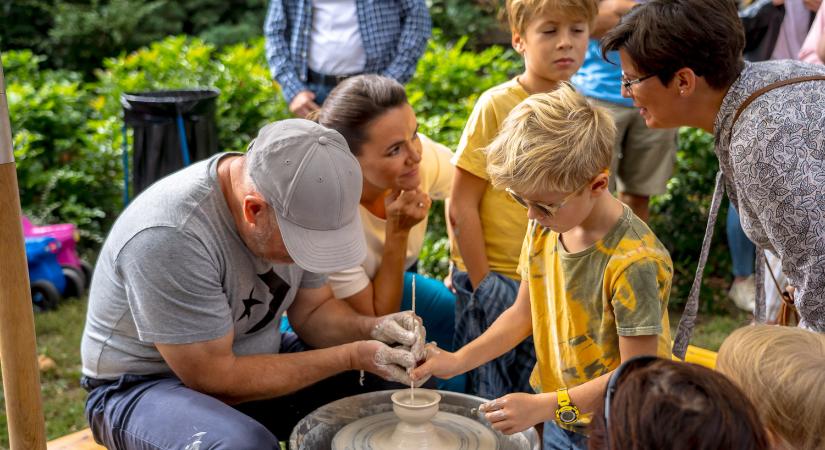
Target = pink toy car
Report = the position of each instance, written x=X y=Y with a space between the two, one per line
x=78 y=273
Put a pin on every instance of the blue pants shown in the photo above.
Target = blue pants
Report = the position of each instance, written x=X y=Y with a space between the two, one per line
x=742 y=250
x=159 y=412
x=557 y=438
x=321 y=92
x=475 y=312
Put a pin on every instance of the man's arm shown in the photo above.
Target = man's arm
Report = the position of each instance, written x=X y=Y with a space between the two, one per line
x=412 y=42
x=278 y=54
x=465 y=220
x=321 y=320
x=610 y=13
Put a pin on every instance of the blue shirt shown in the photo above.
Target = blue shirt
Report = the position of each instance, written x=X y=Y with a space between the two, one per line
x=394 y=34
x=600 y=79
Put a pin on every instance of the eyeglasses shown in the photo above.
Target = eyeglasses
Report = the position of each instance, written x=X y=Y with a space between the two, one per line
x=628 y=84
x=613 y=384
x=544 y=209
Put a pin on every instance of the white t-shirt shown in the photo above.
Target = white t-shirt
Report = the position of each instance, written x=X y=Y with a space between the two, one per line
x=436 y=179
x=335 y=46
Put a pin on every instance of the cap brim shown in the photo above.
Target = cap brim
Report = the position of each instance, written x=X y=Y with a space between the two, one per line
x=324 y=252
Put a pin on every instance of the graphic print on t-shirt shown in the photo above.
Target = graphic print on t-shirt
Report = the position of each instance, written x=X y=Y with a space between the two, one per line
x=278 y=288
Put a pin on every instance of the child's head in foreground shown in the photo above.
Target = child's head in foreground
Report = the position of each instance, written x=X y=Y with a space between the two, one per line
x=782 y=371
x=551 y=35
x=552 y=154
x=663 y=404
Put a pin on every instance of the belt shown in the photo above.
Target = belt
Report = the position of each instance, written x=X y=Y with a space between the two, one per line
x=327 y=80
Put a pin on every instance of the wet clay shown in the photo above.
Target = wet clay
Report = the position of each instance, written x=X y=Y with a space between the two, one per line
x=415 y=424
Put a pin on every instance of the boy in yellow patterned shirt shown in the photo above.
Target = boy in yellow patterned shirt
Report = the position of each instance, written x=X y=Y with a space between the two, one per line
x=595 y=279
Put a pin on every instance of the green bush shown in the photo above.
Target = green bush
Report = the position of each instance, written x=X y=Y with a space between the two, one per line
x=64 y=175
x=679 y=216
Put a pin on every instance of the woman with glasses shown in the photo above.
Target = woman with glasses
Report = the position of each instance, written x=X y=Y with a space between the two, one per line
x=652 y=403
x=682 y=63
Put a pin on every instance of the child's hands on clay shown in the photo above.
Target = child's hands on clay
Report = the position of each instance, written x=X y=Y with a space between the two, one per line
x=515 y=412
x=439 y=363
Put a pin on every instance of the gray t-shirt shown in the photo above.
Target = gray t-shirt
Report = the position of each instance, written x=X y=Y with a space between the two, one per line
x=174 y=270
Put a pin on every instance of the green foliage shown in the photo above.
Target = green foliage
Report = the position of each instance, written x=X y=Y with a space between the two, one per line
x=458 y=18
x=679 y=216
x=63 y=175
x=79 y=34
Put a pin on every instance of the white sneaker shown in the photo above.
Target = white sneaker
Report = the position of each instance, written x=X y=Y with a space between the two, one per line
x=743 y=294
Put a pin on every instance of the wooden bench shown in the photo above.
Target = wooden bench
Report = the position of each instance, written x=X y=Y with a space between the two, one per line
x=81 y=440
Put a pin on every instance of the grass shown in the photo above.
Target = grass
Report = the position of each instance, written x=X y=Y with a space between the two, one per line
x=59 y=333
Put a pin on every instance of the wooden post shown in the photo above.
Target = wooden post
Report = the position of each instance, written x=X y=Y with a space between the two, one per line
x=18 y=352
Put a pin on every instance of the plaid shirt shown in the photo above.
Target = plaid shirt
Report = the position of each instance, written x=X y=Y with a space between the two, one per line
x=394 y=33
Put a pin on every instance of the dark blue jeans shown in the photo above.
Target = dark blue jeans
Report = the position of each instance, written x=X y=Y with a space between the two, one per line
x=159 y=413
x=557 y=438
x=475 y=311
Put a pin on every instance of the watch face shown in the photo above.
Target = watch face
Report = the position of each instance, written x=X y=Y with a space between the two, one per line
x=567 y=416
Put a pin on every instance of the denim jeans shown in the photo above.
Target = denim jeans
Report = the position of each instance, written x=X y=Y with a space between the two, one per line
x=742 y=250
x=160 y=412
x=476 y=310
x=557 y=438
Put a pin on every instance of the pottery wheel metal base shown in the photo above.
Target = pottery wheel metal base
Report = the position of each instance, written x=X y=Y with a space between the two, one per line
x=447 y=431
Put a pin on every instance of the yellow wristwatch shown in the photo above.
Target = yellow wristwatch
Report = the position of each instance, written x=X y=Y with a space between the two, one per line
x=567 y=413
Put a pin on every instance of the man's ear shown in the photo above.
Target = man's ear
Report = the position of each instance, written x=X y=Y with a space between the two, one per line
x=253 y=206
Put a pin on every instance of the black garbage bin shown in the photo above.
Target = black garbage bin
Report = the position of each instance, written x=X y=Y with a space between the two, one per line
x=171 y=130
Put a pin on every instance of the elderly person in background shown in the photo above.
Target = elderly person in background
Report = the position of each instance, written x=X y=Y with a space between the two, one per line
x=312 y=45
x=682 y=64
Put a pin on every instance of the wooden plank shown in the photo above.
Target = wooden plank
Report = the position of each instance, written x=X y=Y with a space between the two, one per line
x=81 y=440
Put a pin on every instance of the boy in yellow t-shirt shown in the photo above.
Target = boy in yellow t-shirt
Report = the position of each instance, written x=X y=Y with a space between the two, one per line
x=595 y=279
x=487 y=225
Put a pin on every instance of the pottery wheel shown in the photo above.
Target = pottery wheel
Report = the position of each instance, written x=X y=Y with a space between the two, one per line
x=374 y=432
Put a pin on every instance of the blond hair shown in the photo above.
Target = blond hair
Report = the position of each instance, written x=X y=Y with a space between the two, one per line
x=782 y=371
x=519 y=13
x=553 y=141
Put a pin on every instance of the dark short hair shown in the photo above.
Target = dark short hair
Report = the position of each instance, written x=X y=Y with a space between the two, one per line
x=663 y=36
x=678 y=406
x=355 y=103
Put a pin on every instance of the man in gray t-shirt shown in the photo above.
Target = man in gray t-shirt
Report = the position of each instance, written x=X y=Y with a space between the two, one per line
x=192 y=282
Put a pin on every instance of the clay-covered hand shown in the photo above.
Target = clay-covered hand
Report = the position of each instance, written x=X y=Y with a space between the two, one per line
x=438 y=363
x=516 y=412
x=390 y=363
x=400 y=328
x=405 y=209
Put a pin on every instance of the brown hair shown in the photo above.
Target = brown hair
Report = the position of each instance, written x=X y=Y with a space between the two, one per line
x=678 y=406
x=519 y=13
x=355 y=103
x=663 y=36
x=782 y=370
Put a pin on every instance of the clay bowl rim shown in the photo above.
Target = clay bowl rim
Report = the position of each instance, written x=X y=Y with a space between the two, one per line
x=396 y=398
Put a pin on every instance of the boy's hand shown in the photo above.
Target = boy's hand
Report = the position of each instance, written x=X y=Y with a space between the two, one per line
x=439 y=363
x=405 y=209
x=516 y=412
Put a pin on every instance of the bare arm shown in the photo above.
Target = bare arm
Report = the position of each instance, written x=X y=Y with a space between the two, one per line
x=517 y=412
x=465 y=220
x=820 y=49
x=610 y=13
x=322 y=320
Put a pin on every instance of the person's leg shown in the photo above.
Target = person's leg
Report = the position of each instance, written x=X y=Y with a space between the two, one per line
x=743 y=254
x=557 y=438
x=435 y=304
x=648 y=157
x=158 y=414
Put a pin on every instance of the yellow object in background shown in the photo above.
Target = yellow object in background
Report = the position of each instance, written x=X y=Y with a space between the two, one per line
x=699 y=356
